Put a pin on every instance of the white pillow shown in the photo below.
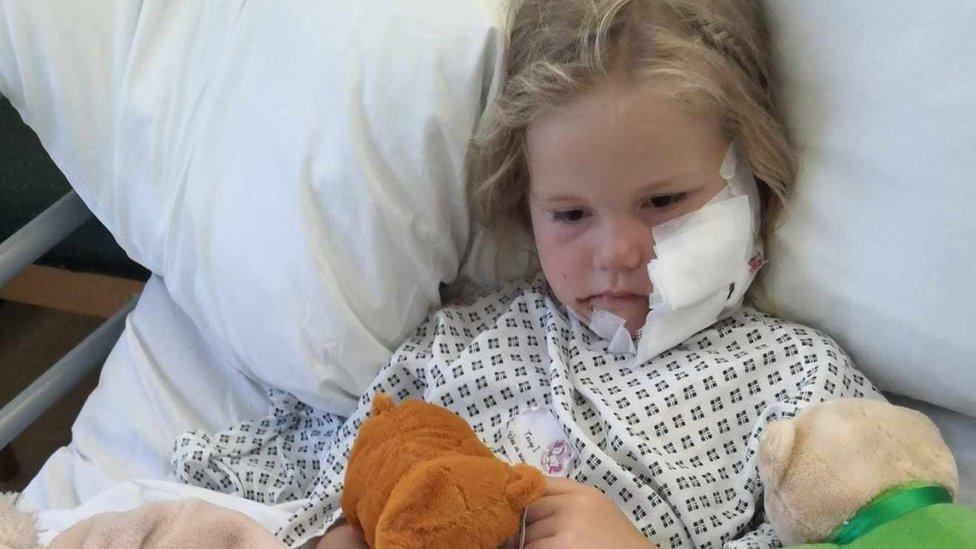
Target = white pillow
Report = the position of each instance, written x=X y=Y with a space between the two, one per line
x=293 y=171
x=881 y=248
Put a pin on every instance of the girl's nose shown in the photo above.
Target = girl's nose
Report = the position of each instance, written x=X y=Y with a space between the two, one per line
x=624 y=246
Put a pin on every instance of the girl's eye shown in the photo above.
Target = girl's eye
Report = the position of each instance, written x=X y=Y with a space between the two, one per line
x=568 y=216
x=666 y=201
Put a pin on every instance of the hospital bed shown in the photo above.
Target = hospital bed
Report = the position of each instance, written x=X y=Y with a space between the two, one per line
x=300 y=216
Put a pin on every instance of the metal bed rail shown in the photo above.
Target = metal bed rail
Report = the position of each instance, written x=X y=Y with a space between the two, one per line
x=41 y=234
x=16 y=253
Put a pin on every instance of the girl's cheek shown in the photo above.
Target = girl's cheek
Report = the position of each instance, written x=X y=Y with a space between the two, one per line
x=562 y=256
x=565 y=248
x=563 y=234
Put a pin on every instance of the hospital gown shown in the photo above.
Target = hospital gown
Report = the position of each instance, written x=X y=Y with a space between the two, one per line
x=672 y=441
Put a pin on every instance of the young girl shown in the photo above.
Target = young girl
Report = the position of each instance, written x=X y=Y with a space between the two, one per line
x=619 y=122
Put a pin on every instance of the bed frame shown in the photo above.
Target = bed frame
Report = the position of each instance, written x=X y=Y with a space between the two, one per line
x=16 y=253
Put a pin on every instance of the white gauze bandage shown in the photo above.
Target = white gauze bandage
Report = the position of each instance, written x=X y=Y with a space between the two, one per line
x=704 y=263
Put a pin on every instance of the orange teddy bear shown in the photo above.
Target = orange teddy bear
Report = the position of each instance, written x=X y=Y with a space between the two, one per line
x=419 y=477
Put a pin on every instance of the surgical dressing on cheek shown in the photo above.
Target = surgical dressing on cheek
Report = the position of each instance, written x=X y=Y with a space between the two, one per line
x=695 y=260
x=701 y=269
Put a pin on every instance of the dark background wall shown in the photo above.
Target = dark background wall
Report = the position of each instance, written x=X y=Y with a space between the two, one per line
x=29 y=183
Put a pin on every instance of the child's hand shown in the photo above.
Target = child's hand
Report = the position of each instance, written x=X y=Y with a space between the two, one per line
x=341 y=536
x=571 y=514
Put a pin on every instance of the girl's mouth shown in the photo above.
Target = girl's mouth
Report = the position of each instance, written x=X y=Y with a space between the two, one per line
x=614 y=300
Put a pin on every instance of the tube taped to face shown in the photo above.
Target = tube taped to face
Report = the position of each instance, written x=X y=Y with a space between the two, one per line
x=704 y=263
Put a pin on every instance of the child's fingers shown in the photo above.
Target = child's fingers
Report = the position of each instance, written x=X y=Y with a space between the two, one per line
x=560 y=493
x=544 y=507
x=540 y=531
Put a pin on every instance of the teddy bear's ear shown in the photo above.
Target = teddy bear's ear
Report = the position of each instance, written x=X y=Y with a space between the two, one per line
x=525 y=485
x=381 y=403
x=776 y=451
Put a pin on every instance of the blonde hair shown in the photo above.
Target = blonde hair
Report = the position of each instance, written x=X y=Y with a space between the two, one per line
x=711 y=55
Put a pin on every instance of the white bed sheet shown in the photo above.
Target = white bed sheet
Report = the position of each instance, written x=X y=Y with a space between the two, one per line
x=160 y=380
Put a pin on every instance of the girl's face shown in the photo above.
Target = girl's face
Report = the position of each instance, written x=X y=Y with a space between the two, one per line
x=605 y=168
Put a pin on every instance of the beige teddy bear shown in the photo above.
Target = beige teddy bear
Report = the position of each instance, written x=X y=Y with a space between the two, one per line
x=862 y=472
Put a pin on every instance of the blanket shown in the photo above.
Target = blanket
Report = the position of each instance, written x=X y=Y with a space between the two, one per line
x=187 y=523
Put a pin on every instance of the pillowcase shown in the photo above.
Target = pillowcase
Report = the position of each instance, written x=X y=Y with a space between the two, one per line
x=879 y=249
x=293 y=171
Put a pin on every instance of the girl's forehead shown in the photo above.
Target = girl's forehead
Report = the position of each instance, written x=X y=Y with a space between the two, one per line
x=621 y=132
